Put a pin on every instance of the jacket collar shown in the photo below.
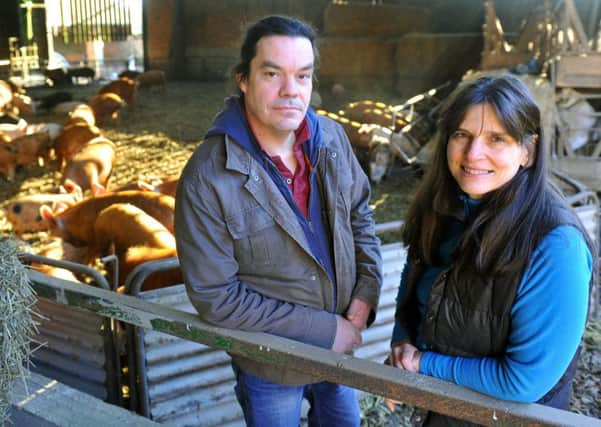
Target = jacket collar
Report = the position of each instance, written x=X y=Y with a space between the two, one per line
x=232 y=123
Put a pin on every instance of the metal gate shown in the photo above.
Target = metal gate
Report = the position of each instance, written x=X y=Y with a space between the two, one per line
x=177 y=382
x=85 y=21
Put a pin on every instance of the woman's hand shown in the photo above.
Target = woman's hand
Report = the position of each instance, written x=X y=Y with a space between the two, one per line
x=406 y=356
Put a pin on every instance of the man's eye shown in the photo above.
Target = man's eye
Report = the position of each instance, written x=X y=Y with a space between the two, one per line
x=270 y=73
x=305 y=76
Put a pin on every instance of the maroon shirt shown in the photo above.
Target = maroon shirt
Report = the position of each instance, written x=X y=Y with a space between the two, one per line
x=298 y=182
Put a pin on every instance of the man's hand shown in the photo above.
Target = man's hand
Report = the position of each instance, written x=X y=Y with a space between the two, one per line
x=358 y=312
x=405 y=356
x=347 y=336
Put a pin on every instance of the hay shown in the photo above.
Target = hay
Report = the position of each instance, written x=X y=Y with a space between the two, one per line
x=17 y=323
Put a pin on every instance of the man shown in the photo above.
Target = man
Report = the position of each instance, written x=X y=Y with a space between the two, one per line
x=274 y=231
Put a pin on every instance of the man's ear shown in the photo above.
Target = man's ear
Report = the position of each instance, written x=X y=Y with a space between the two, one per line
x=241 y=80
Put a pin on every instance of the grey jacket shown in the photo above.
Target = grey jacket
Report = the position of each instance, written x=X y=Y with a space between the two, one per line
x=246 y=261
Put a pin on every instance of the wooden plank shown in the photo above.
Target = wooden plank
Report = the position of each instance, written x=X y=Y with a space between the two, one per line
x=42 y=401
x=578 y=71
x=415 y=389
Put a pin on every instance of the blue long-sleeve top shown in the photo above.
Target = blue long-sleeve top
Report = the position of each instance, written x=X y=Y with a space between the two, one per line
x=547 y=322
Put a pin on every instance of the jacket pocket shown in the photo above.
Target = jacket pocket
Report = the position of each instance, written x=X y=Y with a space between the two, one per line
x=252 y=231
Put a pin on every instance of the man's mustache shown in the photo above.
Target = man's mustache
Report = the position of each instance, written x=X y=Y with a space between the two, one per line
x=294 y=103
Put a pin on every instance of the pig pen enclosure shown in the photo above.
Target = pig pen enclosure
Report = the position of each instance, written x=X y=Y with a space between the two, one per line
x=156 y=139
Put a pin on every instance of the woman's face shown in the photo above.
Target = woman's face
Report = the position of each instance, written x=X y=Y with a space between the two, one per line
x=481 y=155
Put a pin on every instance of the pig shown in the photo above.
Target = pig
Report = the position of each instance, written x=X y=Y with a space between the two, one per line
x=91 y=167
x=81 y=72
x=72 y=139
x=15 y=88
x=126 y=88
x=53 y=99
x=76 y=223
x=52 y=129
x=146 y=239
x=82 y=113
x=60 y=250
x=369 y=112
x=24 y=213
x=6 y=95
x=370 y=143
x=66 y=107
x=140 y=254
x=130 y=74
x=32 y=148
x=56 y=77
x=106 y=107
x=12 y=126
x=152 y=78
x=165 y=185
x=8 y=160
x=22 y=104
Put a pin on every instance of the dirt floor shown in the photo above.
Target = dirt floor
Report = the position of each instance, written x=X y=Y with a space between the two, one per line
x=157 y=138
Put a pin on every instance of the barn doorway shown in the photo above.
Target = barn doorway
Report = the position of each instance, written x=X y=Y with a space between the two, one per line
x=105 y=35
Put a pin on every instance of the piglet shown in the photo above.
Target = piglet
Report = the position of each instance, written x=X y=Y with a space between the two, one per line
x=146 y=239
x=76 y=223
x=91 y=167
x=24 y=213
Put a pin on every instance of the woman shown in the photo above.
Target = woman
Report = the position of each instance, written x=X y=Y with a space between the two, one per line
x=495 y=291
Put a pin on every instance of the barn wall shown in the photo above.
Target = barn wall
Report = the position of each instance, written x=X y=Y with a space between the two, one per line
x=426 y=60
x=9 y=24
x=400 y=44
x=159 y=32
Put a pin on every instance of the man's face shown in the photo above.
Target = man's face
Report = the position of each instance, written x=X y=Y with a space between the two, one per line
x=278 y=87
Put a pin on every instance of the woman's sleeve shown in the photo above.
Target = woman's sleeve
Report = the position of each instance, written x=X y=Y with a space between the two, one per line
x=548 y=319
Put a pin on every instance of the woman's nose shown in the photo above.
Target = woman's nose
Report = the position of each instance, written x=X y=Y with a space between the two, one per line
x=475 y=148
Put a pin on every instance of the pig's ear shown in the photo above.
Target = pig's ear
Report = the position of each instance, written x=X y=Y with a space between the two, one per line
x=59 y=207
x=73 y=188
x=144 y=186
x=97 y=189
x=47 y=214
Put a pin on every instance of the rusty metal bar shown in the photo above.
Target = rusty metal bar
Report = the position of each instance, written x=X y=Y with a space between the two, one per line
x=101 y=20
x=419 y=390
x=73 y=11
x=121 y=20
x=111 y=19
x=69 y=265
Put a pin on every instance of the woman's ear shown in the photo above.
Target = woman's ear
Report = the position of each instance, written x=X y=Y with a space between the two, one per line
x=530 y=147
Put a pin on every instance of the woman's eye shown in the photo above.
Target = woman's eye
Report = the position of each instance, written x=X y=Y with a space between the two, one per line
x=459 y=135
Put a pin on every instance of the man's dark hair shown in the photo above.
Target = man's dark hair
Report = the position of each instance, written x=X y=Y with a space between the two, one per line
x=274 y=25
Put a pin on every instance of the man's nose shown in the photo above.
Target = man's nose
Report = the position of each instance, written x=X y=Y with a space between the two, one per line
x=289 y=86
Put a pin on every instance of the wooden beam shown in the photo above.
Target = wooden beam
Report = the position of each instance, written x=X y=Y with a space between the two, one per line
x=576 y=23
x=419 y=390
x=41 y=401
